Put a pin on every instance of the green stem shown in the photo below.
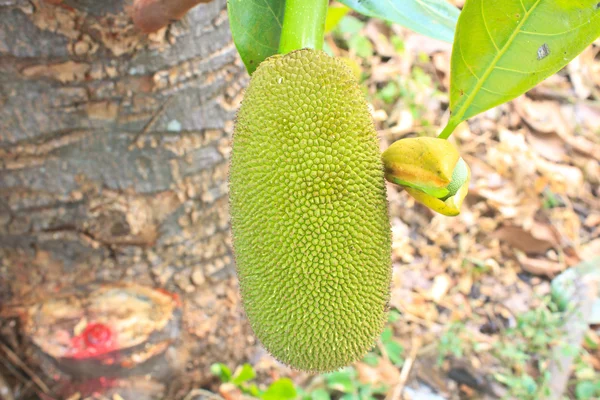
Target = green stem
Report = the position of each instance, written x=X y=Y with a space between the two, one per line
x=450 y=127
x=303 y=25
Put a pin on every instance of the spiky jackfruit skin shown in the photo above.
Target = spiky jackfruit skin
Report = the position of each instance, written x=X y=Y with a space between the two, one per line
x=309 y=213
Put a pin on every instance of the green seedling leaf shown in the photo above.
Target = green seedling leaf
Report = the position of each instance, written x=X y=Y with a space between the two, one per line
x=386 y=335
x=361 y=46
x=349 y=25
x=433 y=18
x=243 y=374
x=252 y=390
x=335 y=13
x=394 y=351
x=320 y=394
x=586 y=390
x=371 y=359
x=221 y=371
x=503 y=48
x=564 y=286
x=389 y=93
x=343 y=381
x=394 y=316
x=256 y=29
x=281 y=389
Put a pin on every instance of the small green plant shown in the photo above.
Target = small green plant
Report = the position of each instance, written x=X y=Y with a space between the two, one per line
x=451 y=342
x=343 y=384
x=525 y=352
x=281 y=389
x=530 y=342
x=388 y=345
x=586 y=384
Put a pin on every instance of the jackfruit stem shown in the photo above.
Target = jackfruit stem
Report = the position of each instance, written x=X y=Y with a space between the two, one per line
x=303 y=25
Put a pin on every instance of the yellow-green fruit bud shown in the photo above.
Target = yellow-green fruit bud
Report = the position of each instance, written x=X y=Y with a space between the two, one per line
x=431 y=170
x=311 y=232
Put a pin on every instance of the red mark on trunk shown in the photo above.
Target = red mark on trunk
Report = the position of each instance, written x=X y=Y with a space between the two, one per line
x=95 y=340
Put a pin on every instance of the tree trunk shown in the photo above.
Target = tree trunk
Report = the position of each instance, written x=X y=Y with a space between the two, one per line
x=114 y=150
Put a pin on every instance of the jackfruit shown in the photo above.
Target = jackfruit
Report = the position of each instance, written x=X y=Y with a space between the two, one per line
x=311 y=233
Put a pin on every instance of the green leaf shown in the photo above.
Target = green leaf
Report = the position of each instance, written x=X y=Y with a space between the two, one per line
x=433 y=18
x=281 y=389
x=320 y=394
x=252 y=390
x=243 y=374
x=394 y=351
x=256 y=29
x=361 y=46
x=529 y=384
x=389 y=93
x=503 y=48
x=564 y=286
x=387 y=334
x=394 y=315
x=342 y=381
x=350 y=25
x=335 y=14
x=222 y=371
x=585 y=390
x=371 y=359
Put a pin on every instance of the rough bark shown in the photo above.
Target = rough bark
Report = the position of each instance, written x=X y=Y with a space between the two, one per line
x=113 y=160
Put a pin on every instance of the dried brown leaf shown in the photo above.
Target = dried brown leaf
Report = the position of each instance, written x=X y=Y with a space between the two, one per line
x=538 y=240
x=549 y=146
x=441 y=285
x=542 y=116
x=384 y=373
x=540 y=266
x=590 y=249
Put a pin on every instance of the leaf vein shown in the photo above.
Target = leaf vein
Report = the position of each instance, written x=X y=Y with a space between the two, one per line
x=525 y=72
x=486 y=27
x=563 y=32
x=469 y=100
x=511 y=70
x=492 y=91
x=273 y=12
x=247 y=33
x=462 y=55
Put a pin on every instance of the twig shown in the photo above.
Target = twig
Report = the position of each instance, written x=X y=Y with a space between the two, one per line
x=202 y=392
x=406 y=368
x=14 y=371
x=5 y=390
x=16 y=360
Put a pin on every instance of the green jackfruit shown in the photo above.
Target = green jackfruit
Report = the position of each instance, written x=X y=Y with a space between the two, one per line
x=311 y=233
